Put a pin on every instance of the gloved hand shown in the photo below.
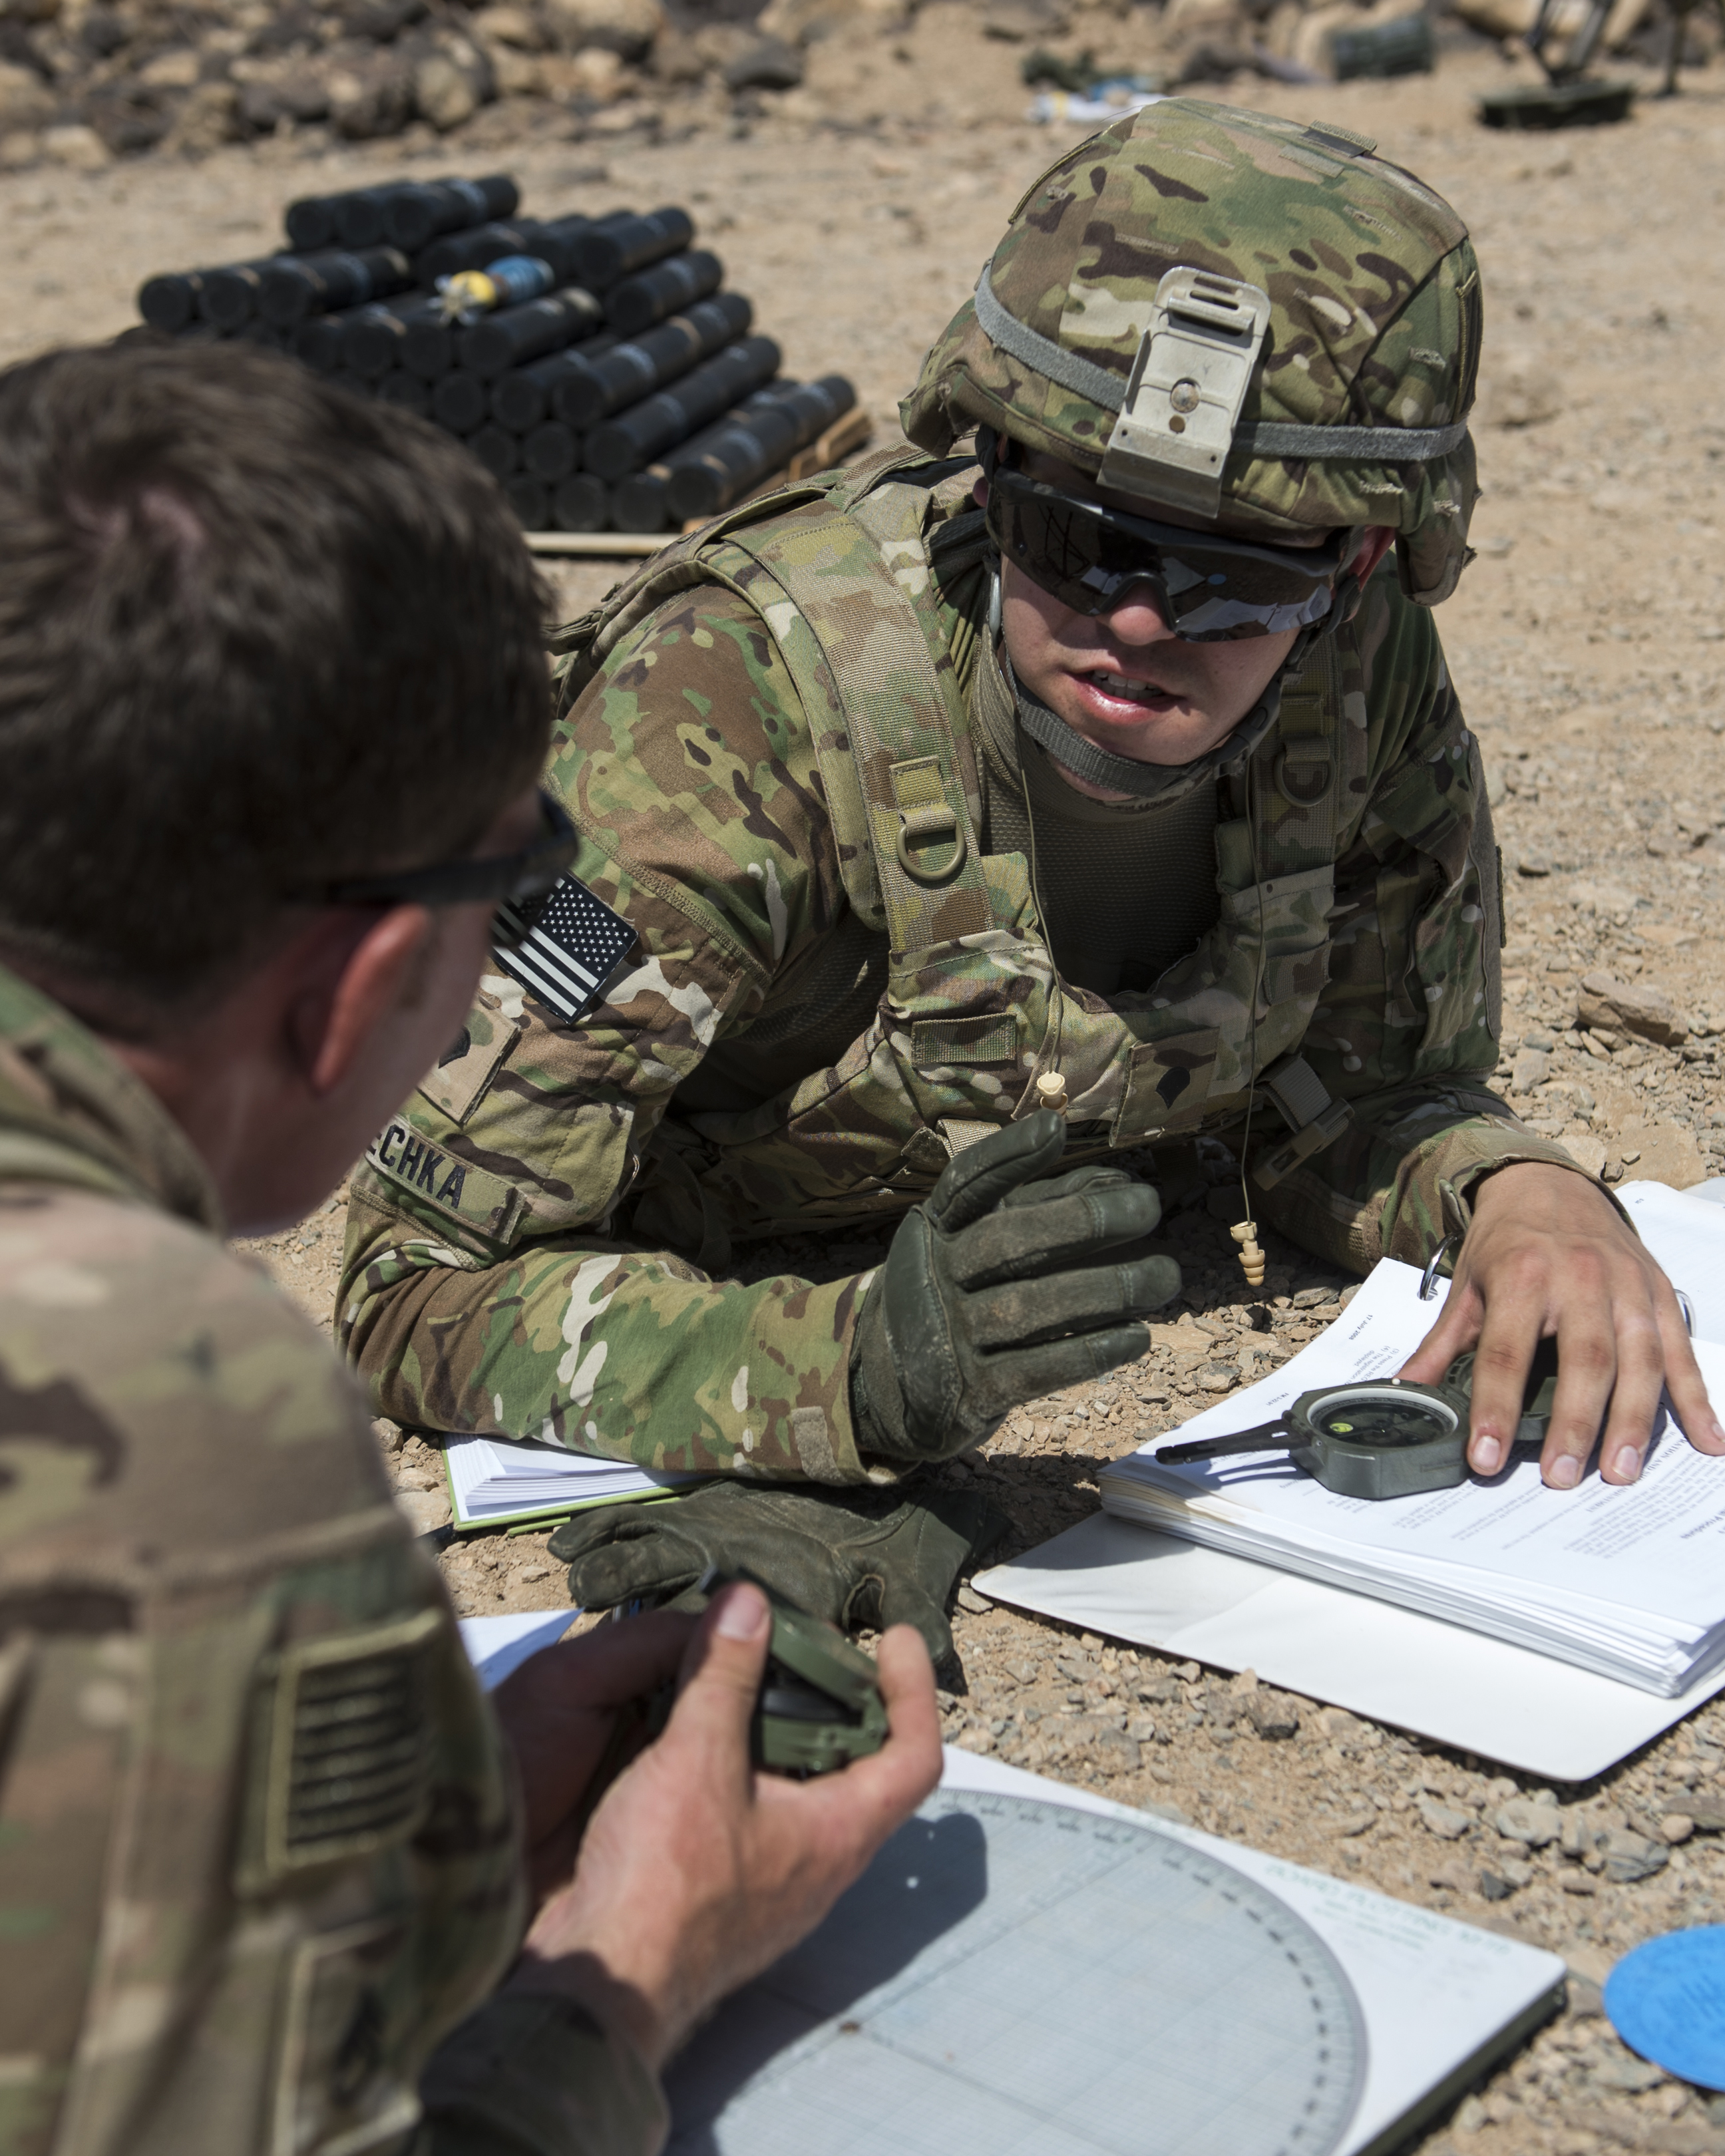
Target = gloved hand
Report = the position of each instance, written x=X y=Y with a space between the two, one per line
x=855 y=1557
x=990 y=1294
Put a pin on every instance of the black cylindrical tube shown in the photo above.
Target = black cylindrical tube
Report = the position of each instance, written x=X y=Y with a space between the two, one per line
x=414 y=216
x=317 y=344
x=170 y=302
x=313 y=220
x=297 y=286
x=555 y=238
x=530 y=498
x=629 y=371
x=735 y=456
x=551 y=451
x=475 y=249
x=459 y=402
x=396 y=388
x=428 y=348
x=581 y=503
x=359 y=216
x=374 y=338
x=499 y=452
x=611 y=249
x=625 y=441
x=523 y=397
x=635 y=303
x=642 y=501
x=515 y=334
x=228 y=296
x=639 y=503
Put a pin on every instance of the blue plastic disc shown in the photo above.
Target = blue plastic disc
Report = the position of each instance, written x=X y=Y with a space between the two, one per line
x=1666 y=2000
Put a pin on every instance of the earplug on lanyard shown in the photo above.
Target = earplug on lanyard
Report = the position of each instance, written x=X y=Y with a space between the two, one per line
x=1252 y=1259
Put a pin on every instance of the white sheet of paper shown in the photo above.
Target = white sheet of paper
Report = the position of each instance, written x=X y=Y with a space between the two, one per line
x=497 y=1647
x=1687 y=1234
x=1393 y=1666
x=1432 y=1990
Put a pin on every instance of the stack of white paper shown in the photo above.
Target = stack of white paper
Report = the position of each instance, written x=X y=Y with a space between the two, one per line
x=493 y=1479
x=1627 y=1582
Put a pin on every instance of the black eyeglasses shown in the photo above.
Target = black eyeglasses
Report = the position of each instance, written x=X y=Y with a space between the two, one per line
x=503 y=878
x=1208 y=589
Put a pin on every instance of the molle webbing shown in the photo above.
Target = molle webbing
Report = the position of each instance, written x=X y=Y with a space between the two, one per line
x=1298 y=784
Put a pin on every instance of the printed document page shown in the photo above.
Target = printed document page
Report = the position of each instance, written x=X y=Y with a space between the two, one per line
x=1647 y=1560
x=1687 y=1234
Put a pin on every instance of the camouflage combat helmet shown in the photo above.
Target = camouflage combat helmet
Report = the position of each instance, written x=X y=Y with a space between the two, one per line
x=1229 y=314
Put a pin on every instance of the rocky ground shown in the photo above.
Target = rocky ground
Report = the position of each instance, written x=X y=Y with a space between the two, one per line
x=1589 y=644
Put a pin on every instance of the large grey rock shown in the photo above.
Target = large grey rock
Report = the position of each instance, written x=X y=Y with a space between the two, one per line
x=288 y=92
x=1016 y=20
x=1630 y=1856
x=626 y=28
x=1444 y=1820
x=1632 y=1007
x=25 y=100
x=443 y=93
x=1272 y=1714
x=371 y=98
x=769 y=63
x=1530 y=1066
x=1522 y=1819
x=425 y=1509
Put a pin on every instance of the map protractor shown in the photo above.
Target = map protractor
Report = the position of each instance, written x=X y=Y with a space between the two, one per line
x=1016 y=1977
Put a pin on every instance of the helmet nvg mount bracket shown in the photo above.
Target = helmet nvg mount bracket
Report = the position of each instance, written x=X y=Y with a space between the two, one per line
x=1183 y=396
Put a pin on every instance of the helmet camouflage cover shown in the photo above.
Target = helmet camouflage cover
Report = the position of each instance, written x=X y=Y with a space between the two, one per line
x=1373 y=328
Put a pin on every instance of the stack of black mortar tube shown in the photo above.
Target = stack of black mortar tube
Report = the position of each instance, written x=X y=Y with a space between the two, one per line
x=630 y=394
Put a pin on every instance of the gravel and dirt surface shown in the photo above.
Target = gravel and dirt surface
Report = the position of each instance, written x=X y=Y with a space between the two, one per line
x=1588 y=642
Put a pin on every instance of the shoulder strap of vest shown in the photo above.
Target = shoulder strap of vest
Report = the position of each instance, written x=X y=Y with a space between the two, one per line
x=1303 y=775
x=842 y=587
x=580 y=647
x=1303 y=780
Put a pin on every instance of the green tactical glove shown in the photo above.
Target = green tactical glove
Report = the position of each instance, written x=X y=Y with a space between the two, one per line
x=990 y=1295
x=855 y=1557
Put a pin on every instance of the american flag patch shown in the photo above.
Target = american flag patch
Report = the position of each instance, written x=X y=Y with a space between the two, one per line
x=559 y=948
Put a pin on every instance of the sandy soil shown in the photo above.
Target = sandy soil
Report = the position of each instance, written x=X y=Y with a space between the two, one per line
x=1589 y=644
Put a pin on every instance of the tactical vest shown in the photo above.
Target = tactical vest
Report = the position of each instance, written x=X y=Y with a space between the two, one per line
x=974 y=1011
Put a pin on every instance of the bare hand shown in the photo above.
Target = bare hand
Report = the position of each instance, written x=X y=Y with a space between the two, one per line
x=566 y=1711
x=1547 y=1256
x=696 y=1872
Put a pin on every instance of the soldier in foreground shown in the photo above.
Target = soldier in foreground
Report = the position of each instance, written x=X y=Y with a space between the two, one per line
x=978 y=818
x=273 y=700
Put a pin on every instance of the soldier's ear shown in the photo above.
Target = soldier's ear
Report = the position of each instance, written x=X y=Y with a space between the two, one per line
x=359 y=976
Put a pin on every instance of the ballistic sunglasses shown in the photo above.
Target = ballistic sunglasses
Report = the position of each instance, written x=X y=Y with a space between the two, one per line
x=502 y=878
x=1208 y=589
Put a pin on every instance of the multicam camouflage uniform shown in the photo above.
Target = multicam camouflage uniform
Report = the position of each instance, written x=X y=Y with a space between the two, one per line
x=768 y=737
x=258 y=1847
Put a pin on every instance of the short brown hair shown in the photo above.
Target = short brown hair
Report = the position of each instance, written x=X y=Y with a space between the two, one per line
x=254 y=634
